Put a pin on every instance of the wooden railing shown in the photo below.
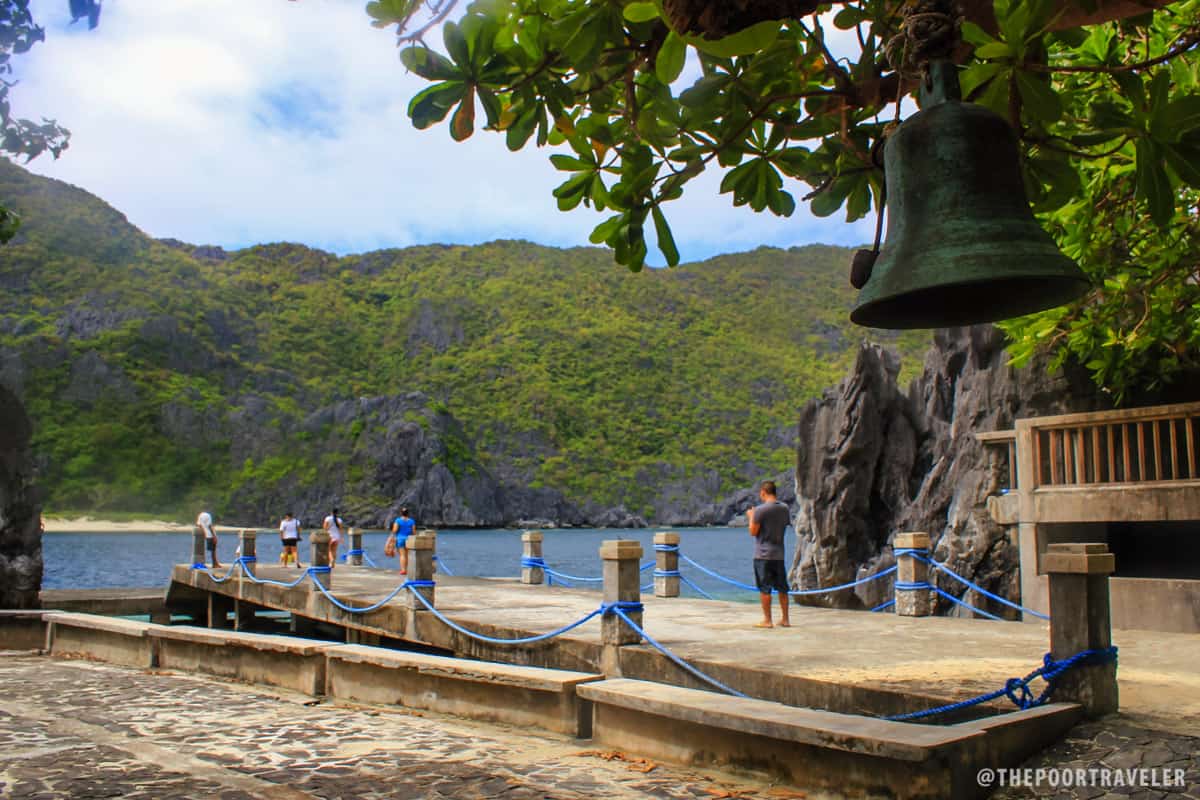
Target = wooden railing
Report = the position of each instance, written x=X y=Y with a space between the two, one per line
x=1127 y=446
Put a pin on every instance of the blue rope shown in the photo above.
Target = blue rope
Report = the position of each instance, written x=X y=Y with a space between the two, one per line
x=859 y=582
x=646 y=566
x=943 y=568
x=912 y=586
x=255 y=579
x=696 y=588
x=718 y=576
x=620 y=612
x=492 y=640
x=666 y=548
x=232 y=568
x=565 y=576
x=199 y=565
x=923 y=555
x=965 y=605
x=532 y=563
x=442 y=565
x=648 y=586
x=882 y=606
x=373 y=606
x=1017 y=689
x=667 y=573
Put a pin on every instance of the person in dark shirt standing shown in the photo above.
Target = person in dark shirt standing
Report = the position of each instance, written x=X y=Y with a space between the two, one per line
x=768 y=523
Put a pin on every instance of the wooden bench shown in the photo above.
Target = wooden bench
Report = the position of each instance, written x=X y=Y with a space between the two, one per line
x=517 y=695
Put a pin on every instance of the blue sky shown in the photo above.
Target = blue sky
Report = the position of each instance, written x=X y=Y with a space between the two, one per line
x=234 y=122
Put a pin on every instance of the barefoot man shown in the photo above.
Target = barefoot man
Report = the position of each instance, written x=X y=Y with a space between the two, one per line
x=768 y=522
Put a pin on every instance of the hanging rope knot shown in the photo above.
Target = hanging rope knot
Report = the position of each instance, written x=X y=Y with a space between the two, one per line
x=1017 y=690
x=622 y=606
x=930 y=30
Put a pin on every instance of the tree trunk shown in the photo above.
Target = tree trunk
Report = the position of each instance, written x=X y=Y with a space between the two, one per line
x=20 y=510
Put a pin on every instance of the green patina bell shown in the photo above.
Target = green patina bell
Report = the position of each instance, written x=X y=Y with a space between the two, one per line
x=962 y=245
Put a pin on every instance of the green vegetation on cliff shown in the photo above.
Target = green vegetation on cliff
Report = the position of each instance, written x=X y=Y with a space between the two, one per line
x=138 y=358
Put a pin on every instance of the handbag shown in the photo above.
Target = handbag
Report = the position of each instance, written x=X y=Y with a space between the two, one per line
x=389 y=547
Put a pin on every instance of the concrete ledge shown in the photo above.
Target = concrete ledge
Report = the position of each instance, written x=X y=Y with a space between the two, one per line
x=806 y=747
x=119 y=641
x=296 y=664
x=23 y=630
x=517 y=695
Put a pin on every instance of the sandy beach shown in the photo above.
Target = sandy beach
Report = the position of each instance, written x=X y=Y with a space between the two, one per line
x=92 y=525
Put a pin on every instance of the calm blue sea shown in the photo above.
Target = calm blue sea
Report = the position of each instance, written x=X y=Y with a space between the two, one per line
x=96 y=560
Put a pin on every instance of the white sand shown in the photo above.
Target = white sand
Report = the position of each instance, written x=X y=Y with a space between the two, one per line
x=91 y=525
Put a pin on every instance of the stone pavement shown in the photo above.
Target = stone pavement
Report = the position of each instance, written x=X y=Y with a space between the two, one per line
x=76 y=729
x=1113 y=744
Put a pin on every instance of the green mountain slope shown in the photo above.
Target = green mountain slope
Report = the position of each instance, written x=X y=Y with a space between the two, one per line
x=158 y=373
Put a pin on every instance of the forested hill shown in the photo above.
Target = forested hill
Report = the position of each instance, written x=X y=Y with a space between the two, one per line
x=533 y=381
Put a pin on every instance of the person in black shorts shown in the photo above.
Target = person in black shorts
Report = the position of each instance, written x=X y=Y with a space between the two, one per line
x=289 y=533
x=768 y=523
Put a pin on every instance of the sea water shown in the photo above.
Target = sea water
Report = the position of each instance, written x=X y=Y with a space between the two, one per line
x=98 y=560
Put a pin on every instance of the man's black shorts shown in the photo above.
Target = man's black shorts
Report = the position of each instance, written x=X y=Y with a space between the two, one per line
x=211 y=543
x=770 y=574
x=290 y=542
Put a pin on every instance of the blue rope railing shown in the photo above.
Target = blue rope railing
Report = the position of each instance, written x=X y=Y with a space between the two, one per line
x=923 y=555
x=441 y=565
x=494 y=640
x=1017 y=689
x=679 y=661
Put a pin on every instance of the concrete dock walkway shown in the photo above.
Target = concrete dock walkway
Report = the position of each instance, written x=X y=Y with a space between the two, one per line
x=841 y=657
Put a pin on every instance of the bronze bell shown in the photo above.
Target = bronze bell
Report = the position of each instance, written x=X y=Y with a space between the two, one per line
x=962 y=245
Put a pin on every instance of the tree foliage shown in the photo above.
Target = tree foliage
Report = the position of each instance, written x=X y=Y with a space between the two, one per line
x=1108 y=115
x=21 y=137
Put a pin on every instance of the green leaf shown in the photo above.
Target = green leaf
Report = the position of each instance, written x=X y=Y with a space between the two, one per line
x=666 y=242
x=428 y=64
x=1153 y=184
x=976 y=35
x=1184 y=159
x=434 y=103
x=1038 y=98
x=977 y=75
x=751 y=40
x=994 y=50
x=670 y=59
x=1177 y=117
x=605 y=230
x=849 y=17
x=456 y=45
x=640 y=12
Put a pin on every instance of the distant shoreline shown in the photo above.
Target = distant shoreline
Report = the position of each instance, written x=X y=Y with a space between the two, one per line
x=92 y=525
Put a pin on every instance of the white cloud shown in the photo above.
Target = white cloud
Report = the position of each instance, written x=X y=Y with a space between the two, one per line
x=233 y=122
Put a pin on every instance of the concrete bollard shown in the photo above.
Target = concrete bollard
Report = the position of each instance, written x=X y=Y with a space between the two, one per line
x=1080 y=620
x=433 y=557
x=199 y=555
x=420 y=568
x=247 y=546
x=914 y=598
x=622 y=584
x=318 y=562
x=666 y=564
x=532 y=571
x=354 y=556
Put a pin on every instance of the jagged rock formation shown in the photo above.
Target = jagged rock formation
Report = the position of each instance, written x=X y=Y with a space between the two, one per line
x=20 y=510
x=874 y=460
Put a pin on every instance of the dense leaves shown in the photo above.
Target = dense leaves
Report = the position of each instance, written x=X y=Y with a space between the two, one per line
x=636 y=110
x=157 y=378
x=21 y=137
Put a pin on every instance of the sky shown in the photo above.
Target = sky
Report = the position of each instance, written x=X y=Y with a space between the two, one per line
x=237 y=122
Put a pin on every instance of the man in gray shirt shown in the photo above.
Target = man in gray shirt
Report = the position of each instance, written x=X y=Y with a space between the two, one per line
x=768 y=522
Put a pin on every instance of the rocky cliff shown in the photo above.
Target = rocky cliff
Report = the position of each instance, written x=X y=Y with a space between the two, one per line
x=874 y=460
x=20 y=510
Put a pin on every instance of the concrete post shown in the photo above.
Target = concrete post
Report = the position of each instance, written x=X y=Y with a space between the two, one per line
x=247 y=544
x=420 y=568
x=219 y=606
x=622 y=584
x=199 y=556
x=666 y=562
x=354 y=554
x=1080 y=620
x=913 y=597
x=318 y=562
x=531 y=550
x=433 y=556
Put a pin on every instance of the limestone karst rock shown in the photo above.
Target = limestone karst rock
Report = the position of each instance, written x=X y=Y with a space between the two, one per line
x=20 y=510
x=874 y=460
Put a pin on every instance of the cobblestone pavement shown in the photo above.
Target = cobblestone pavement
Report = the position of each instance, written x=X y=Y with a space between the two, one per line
x=1108 y=746
x=77 y=729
